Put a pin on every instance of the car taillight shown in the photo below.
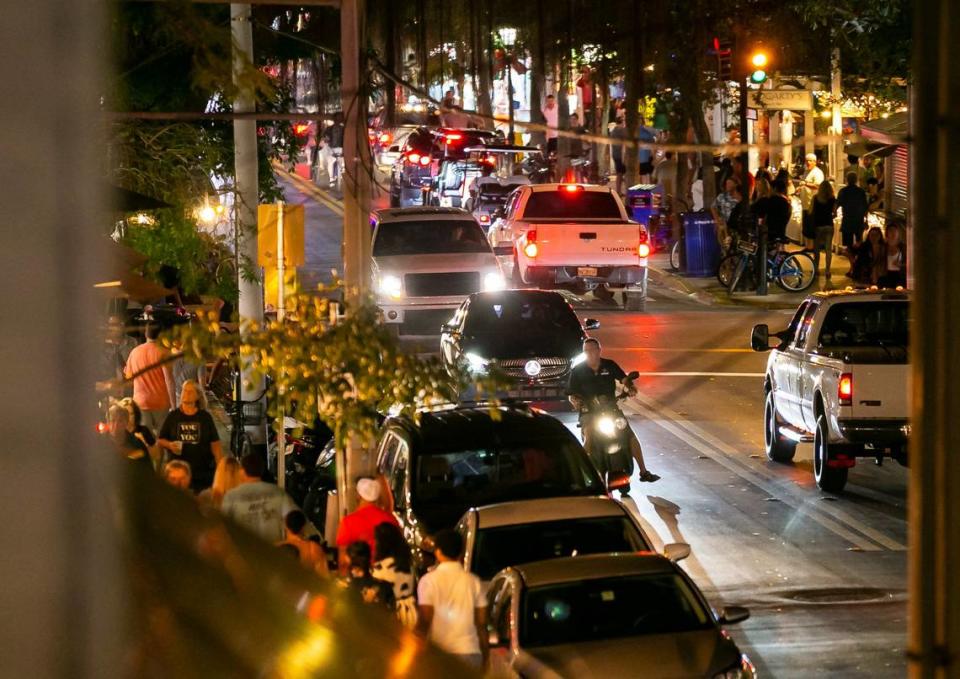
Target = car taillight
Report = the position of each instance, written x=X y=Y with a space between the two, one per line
x=301 y=129
x=384 y=138
x=484 y=219
x=644 y=250
x=571 y=188
x=413 y=158
x=530 y=249
x=102 y=427
x=845 y=389
x=425 y=160
x=453 y=136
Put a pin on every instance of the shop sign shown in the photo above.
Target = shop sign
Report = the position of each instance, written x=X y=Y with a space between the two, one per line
x=790 y=100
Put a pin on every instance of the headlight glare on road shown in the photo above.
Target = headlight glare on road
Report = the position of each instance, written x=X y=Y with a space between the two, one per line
x=476 y=363
x=391 y=286
x=606 y=426
x=494 y=281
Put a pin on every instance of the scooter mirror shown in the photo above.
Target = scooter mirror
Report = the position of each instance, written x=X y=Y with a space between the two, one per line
x=618 y=482
x=632 y=375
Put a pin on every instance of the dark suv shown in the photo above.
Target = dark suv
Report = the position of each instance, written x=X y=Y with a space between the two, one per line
x=532 y=336
x=462 y=457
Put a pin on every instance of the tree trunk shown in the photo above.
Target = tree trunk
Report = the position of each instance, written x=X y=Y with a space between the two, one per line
x=538 y=75
x=563 y=106
x=391 y=48
x=484 y=59
x=422 y=43
x=600 y=123
x=634 y=94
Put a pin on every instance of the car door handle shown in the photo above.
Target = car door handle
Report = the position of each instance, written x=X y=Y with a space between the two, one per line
x=588 y=235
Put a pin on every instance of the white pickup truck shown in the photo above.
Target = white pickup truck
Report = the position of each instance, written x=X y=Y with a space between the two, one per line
x=573 y=235
x=838 y=377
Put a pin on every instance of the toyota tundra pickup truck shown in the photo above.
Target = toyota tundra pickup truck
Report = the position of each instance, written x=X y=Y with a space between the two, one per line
x=576 y=236
x=838 y=376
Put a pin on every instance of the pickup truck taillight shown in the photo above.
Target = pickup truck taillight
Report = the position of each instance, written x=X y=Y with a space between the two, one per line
x=644 y=249
x=530 y=249
x=845 y=389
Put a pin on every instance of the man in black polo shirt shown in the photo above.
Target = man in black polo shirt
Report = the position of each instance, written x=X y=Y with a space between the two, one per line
x=598 y=376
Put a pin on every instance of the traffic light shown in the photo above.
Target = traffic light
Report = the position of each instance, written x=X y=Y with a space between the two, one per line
x=758 y=62
x=722 y=50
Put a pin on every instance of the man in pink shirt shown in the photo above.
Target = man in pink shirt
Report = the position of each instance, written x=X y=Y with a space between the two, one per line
x=153 y=390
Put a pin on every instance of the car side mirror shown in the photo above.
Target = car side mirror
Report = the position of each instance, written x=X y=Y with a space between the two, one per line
x=731 y=615
x=676 y=551
x=632 y=375
x=591 y=324
x=618 y=482
x=760 y=338
x=503 y=250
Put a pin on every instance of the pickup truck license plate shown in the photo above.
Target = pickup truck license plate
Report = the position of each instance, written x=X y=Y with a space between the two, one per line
x=586 y=271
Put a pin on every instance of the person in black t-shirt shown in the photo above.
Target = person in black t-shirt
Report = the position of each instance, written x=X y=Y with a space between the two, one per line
x=775 y=211
x=598 y=376
x=190 y=434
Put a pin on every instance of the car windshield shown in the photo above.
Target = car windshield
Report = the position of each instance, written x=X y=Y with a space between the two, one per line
x=523 y=315
x=429 y=238
x=610 y=608
x=866 y=324
x=504 y=546
x=572 y=205
x=448 y=483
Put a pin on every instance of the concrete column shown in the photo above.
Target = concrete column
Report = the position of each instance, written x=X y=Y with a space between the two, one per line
x=63 y=581
x=809 y=132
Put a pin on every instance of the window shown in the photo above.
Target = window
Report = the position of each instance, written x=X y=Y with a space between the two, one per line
x=608 y=608
x=791 y=332
x=537 y=315
x=572 y=205
x=805 y=324
x=430 y=237
x=398 y=485
x=387 y=454
x=502 y=622
x=866 y=324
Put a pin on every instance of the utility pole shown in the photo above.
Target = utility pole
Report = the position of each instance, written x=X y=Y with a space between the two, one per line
x=356 y=206
x=933 y=639
x=246 y=173
x=836 y=146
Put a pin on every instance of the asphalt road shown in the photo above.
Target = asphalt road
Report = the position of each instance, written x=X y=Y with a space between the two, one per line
x=824 y=576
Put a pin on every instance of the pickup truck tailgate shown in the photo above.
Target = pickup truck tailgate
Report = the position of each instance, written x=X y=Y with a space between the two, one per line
x=880 y=391
x=600 y=243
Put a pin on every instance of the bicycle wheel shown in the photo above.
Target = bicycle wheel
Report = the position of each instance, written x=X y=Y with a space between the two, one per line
x=675 y=256
x=726 y=269
x=796 y=272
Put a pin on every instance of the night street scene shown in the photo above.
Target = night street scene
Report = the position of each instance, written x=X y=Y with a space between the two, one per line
x=451 y=338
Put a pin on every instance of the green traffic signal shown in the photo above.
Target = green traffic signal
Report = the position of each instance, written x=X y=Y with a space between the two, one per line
x=758 y=76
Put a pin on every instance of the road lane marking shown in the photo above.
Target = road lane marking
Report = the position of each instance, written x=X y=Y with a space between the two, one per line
x=311 y=189
x=671 y=350
x=698 y=374
x=727 y=456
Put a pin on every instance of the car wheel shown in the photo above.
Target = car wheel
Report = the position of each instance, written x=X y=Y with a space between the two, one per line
x=634 y=301
x=829 y=479
x=515 y=276
x=603 y=293
x=778 y=447
x=899 y=453
x=394 y=198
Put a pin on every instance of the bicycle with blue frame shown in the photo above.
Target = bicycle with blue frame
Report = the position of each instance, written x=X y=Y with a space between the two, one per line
x=794 y=271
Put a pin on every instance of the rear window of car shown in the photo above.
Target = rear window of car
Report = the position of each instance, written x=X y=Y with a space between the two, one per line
x=866 y=324
x=504 y=546
x=429 y=238
x=526 y=315
x=572 y=205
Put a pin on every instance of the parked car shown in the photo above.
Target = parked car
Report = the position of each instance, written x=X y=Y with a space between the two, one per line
x=838 y=376
x=511 y=533
x=426 y=261
x=533 y=337
x=449 y=460
x=574 y=235
x=604 y=616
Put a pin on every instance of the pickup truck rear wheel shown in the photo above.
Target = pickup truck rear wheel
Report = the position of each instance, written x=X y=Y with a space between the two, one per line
x=515 y=276
x=634 y=301
x=778 y=447
x=829 y=479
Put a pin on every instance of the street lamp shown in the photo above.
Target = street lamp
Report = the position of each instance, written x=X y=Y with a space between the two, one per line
x=509 y=38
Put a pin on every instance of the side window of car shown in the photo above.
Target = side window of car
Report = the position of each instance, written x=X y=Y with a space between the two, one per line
x=805 y=324
x=502 y=622
x=790 y=333
x=398 y=482
x=387 y=453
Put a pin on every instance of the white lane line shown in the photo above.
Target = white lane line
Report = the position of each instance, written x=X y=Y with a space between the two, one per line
x=698 y=374
x=727 y=456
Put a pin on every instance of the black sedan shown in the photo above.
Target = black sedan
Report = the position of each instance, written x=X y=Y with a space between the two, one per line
x=533 y=337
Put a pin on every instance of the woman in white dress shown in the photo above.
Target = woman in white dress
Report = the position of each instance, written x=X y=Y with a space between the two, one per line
x=394 y=565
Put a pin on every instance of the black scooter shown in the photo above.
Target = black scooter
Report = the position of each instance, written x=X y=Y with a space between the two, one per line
x=610 y=436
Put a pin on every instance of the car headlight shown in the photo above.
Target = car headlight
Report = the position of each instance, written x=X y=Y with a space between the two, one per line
x=493 y=281
x=607 y=426
x=391 y=286
x=476 y=363
x=578 y=359
x=620 y=423
x=744 y=669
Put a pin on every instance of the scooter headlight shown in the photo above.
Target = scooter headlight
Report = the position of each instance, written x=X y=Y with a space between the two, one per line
x=607 y=426
x=621 y=423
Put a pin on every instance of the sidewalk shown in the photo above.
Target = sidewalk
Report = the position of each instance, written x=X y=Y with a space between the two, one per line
x=708 y=290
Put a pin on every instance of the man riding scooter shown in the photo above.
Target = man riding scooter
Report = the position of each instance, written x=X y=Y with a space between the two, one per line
x=595 y=381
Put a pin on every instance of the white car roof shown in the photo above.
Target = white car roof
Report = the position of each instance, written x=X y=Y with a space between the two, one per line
x=864 y=295
x=548 y=509
x=423 y=214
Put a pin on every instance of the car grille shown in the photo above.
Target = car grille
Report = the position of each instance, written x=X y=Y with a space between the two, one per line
x=550 y=368
x=425 y=321
x=441 y=284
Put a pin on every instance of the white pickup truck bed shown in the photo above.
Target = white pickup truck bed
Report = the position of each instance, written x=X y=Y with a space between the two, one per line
x=840 y=378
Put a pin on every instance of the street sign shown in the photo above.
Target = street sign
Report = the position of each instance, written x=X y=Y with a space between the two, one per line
x=792 y=100
x=292 y=235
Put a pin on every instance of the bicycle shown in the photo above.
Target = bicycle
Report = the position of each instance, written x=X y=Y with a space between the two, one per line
x=792 y=271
